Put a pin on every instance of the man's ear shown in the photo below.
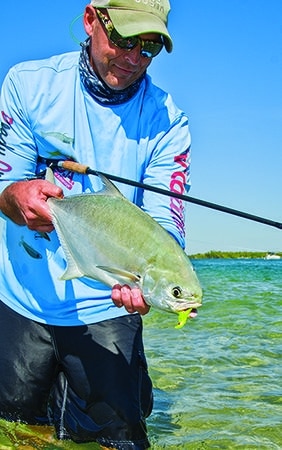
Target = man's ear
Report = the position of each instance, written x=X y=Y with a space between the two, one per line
x=88 y=19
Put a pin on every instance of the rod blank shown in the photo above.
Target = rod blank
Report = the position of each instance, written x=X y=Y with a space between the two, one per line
x=83 y=169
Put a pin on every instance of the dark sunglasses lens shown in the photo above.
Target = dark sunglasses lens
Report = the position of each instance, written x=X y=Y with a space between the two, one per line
x=151 y=49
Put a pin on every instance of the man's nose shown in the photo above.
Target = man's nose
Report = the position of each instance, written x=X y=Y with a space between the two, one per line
x=133 y=56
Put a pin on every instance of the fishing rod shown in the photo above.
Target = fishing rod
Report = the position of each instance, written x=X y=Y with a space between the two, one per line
x=83 y=169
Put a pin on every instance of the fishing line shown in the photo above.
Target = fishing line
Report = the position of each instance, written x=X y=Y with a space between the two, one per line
x=83 y=169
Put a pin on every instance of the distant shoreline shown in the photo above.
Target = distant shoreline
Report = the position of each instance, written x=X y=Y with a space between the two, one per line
x=216 y=254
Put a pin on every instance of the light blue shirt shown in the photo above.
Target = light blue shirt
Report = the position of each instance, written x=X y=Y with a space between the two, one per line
x=46 y=112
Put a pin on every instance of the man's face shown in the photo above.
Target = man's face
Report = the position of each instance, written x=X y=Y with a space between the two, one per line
x=118 y=68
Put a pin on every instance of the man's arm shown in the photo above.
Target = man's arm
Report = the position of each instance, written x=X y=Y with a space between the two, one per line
x=25 y=203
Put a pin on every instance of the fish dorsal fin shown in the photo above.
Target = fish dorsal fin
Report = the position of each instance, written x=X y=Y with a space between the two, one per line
x=108 y=187
x=49 y=176
x=122 y=273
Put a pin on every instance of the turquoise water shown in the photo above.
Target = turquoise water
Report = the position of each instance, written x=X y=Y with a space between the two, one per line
x=217 y=381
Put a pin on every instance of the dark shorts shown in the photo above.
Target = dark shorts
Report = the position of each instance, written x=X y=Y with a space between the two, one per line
x=90 y=381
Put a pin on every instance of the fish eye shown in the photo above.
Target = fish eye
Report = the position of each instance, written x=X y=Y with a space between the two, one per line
x=176 y=291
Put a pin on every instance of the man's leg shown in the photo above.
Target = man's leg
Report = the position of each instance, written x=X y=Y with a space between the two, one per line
x=27 y=366
x=106 y=392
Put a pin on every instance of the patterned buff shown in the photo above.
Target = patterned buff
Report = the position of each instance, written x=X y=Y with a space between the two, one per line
x=97 y=88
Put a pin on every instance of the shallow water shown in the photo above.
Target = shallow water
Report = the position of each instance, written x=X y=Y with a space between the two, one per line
x=217 y=381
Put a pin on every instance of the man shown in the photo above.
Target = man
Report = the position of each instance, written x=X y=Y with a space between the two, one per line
x=71 y=352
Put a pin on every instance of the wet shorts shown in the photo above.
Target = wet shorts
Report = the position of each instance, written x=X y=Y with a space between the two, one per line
x=90 y=381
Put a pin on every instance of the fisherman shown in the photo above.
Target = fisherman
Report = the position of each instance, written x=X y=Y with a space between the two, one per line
x=71 y=351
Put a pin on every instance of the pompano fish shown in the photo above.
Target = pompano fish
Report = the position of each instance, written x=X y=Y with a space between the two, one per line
x=106 y=237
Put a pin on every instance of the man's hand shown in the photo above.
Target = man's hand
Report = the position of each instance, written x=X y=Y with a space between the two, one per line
x=25 y=203
x=131 y=298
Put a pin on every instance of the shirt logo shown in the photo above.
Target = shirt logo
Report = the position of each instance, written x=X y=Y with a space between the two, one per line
x=177 y=185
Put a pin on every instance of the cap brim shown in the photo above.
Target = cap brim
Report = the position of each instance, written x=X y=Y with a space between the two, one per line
x=132 y=23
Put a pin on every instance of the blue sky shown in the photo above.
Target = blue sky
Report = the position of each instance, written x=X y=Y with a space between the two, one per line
x=226 y=73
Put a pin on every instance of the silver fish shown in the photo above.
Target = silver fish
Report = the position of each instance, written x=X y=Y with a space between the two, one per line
x=30 y=250
x=42 y=235
x=106 y=237
x=63 y=137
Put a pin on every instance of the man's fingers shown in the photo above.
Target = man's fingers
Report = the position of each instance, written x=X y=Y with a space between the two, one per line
x=130 y=298
x=138 y=301
x=116 y=295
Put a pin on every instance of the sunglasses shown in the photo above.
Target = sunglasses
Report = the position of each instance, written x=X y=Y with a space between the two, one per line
x=149 y=49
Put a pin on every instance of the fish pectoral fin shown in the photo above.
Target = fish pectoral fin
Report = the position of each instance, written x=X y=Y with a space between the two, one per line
x=121 y=273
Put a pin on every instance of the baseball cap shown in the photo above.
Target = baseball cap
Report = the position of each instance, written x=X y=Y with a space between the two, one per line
x=134 y=17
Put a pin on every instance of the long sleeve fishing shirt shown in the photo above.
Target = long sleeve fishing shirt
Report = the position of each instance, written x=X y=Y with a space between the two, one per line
x=47 y=114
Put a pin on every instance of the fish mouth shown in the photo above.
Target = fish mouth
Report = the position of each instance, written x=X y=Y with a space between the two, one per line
x=193 y=313
x=191 y=305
